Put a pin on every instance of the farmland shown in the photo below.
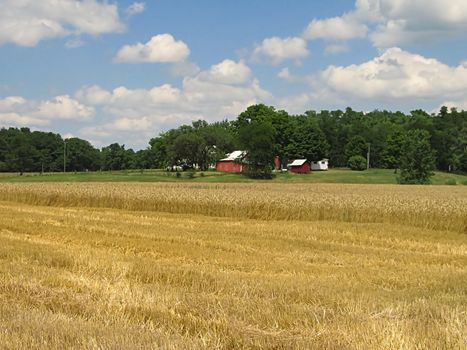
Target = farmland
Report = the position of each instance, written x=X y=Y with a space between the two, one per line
x=232 y=265
x=371 y=176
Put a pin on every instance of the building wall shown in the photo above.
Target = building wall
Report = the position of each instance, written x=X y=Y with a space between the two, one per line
x=319 y=166
x=303 y=169
x=229 y=167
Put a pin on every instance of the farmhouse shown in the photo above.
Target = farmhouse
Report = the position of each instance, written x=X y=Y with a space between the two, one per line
x=299 y=166
x=320 y=165
x=233 y=163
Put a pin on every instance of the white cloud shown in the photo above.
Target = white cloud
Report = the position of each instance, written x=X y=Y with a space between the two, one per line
x=335 y=49
x=93 y=95
x=222 y=91
x=395 y=75
x=63 y=107
x=26 y=22
x=184 y=69
x=16 y=110
x=135 y=8
x=295 y=104
x=278 y=49
x=390 y=23
x=135 y=124
x=284 y=73
x=74 y=43
x=161 y=48
x=410 y=21
x=292 y=78
x=227 y=72
x=336 y=28
x=8 y=119
x=396 y=79
x=11 y=102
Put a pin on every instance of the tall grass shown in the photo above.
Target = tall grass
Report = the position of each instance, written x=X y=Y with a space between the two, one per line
x=234 y=266
x=419 y=206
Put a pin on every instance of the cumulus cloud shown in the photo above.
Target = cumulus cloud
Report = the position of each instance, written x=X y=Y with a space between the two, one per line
x=7 y=119
x=184 y=69
x=135 y=8
x=398 y=74
x=395 y=79
x=16 y=110
x=63 y=107
x=161 y=48
x=336 y=28
x=227 y=72
x=390 y=23
x=410 y=21
x=278 y=49
x=221 y=91
x=335 y=49
x=27 y=22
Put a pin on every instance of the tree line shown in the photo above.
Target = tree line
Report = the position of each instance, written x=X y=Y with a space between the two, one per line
x=341 y=136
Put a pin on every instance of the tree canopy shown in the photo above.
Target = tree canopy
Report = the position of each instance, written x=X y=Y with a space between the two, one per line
x=263 y=131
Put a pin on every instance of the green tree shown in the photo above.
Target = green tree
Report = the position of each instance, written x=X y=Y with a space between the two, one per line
x=187 y=149
x=81 y=155
x=306 y=140
x=257 y=138
x=357 y=146
x=115 y=157
x=357 y=163
x=394 y=149
x=417 y=160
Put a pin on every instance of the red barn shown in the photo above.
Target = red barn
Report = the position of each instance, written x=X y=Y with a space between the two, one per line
x=233 y=163
x=299 y=166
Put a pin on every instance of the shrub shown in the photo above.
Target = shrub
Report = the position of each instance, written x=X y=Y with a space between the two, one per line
x=417 y=161
x=357 y=163
x=450 y=182
x=264 y=172
x=178 y=174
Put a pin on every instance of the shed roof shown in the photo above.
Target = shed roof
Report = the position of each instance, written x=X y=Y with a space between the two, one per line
x=234 y=155
x=298 y=162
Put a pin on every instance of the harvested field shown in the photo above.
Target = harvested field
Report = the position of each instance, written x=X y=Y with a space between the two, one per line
x=205 y=266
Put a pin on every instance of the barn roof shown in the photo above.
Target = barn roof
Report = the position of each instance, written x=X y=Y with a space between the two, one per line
x=234 y=156
x=298 y=162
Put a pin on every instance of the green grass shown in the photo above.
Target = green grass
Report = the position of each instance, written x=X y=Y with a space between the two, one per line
x=372 y=176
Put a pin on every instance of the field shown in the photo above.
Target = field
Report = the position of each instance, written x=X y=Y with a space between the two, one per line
x=372 y=176
x=232 y=265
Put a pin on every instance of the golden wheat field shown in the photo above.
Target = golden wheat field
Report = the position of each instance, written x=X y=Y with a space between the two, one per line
x=227 y=266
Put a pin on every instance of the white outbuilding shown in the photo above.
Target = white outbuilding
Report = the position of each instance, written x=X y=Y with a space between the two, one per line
x=320 y=164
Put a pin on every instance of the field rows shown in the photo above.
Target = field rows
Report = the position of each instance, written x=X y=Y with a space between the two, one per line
x=441 y=207
x=109 y=267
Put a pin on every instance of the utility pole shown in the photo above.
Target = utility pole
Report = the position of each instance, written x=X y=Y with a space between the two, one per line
x=368 y=157
x=64 y=156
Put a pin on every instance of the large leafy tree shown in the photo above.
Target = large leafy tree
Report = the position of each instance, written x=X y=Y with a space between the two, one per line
x=394 y=149
x=17 y=152
x=49 y=147
x=357 y=146
x=115 y=157
x=307 y=140
x=257 y=138
x=417 y=160
x=81 y=155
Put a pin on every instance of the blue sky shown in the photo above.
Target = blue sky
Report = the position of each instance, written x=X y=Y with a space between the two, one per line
x=124 y=71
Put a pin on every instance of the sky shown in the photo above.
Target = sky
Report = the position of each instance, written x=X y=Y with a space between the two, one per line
x=125 y=71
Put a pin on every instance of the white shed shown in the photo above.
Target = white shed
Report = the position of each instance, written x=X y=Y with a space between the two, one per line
x=320 y=164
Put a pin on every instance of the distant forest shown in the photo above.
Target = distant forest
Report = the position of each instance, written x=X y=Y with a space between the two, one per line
x=337 y=135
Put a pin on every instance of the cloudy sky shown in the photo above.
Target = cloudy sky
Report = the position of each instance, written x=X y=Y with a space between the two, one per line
x=124 y=71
